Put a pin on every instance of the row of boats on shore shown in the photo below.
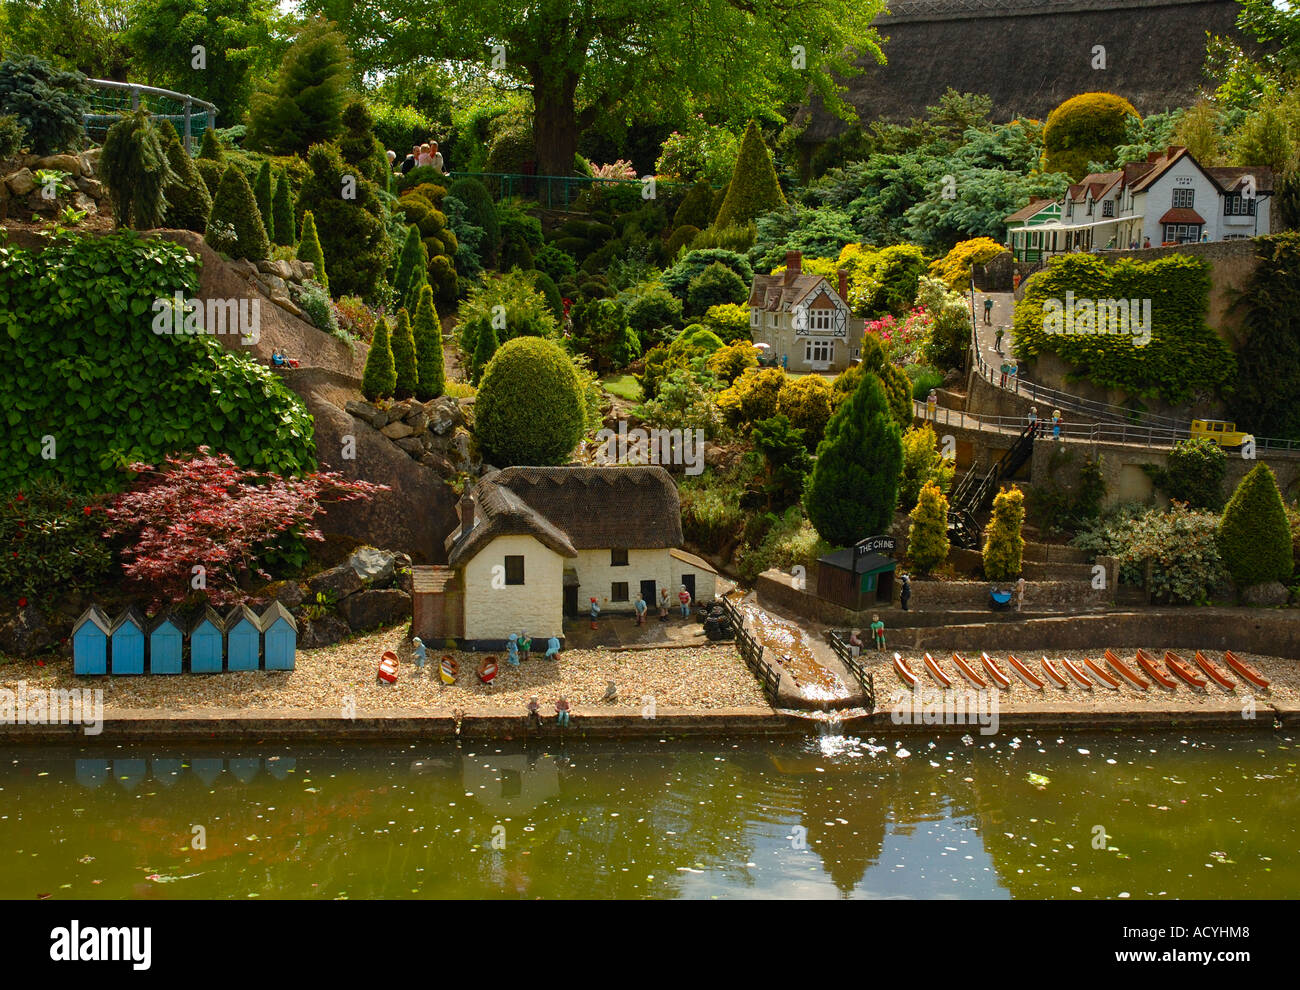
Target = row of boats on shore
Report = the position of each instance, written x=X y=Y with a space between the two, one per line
x=1088 y=673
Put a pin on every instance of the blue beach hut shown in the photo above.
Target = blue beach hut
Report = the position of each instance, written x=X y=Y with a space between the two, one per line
x=243 y=639
x=279 y=637
x=127 y=634
x=166 y=645
x=207 y=643
x=90 y=642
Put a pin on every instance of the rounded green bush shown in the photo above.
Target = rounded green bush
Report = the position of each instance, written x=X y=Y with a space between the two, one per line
x=529 y=408
x=1255 y=534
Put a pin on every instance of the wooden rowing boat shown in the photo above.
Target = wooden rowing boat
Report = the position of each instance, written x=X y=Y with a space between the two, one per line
x=1180 y=670
x=1100 y=674
x=995 y=674
x=487 y=670
x=387 y=668
x=1246 y=673
x=1130 y=676
x=1024 y=673
x=1156 y=674
x=448 y=668
x=1076 y=674
x=1214 y=673
x=937 y=672
x=904 y=671
x=966 y=672
x=1054 y=674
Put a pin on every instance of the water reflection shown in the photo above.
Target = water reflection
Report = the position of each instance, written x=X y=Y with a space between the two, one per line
x=829 y=816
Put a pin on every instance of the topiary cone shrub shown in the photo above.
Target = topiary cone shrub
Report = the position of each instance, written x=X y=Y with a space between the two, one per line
x=380 y=377
x=403 y=348
x=854 y=483
x=927 y=536
x=427 y=332
x=1004 y=547
x=188 y=200
x=486 y=344
x=754 y=189
x=529 y=408
x=282 y=211
x=265 y=195
x=1255 y=534
x=309 y=249
x=235 y=225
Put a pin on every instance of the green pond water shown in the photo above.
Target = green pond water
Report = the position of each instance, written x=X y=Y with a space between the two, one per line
x=1208 y=815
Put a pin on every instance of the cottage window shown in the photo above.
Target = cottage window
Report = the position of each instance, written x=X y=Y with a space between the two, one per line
x=618 y=558
x=1069 y=208
x=618 y=591
x=1237 y=205
x=753 y=317
x=817 y=351
x=1183 y=198
x=1090 y=206
x=1108 y=208
x=514 y=569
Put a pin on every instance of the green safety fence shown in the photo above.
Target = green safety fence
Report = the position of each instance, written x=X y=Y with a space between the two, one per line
x=110 y=99
x=558 y=192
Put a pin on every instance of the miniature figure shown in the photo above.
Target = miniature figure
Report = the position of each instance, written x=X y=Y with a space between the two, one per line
x=553 y=648
x=421 y=654
x=663 y=604
x=684 y=597
x=562 y=712
x=525 y=645
x=534 y=712
x=611 y=691
x=595 y=611
x=640 y=610
x=878 y=632
x=905 y=594
x=512 y=650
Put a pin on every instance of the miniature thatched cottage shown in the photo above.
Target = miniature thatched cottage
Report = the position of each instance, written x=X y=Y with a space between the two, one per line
x=537 y=543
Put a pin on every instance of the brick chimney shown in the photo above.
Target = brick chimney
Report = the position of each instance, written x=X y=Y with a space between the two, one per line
x=844 y=283
x=466 y=513
x=793 y=267
x=1153 y=157
x=1174 y=149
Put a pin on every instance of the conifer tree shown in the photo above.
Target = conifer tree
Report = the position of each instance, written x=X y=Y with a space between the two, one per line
x=404 y=362
x=1255 y=533
x=305 y=103
x=188 y=200
x=380 y=377
x=359 y=146
x=134 y=167
x=309 y=249
x=854 y=482
x=352 y=228
x=484 y=347
x=927 y=536
x=754 y=189
x=264 y=195
x=235 y=224
x=210 y=149
x=282 y=210
x=427 y=332
x=407 y=264
x=1004 y=546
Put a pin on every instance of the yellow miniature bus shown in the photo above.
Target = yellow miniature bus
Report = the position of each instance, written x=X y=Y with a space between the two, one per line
x=1221 y=432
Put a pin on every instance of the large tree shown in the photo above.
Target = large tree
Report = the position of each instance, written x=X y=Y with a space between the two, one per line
x=86 y=35
x=236 y=41
x=588 y=61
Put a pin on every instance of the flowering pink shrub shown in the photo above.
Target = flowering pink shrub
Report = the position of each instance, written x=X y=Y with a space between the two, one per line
x=207 y=511
x=902 y=339
x=614 y=170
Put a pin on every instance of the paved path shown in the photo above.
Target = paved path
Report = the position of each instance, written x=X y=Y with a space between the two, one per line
x=1003 y=315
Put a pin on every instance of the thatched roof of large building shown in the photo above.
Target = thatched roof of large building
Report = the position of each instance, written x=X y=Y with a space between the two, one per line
x=1031 y=55
x=574 y=508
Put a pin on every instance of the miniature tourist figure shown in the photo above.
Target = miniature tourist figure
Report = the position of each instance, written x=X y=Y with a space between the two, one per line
x=421 y=654
x=1020 y=593
x=1012 y=372
x=595 y=611
x=684 y=597
x=988 y=309
x=905 y=593
x=640 y=610
x=512 y=650
x=997 y=339
x=611 y=691
x=562 y=712
x=1006 y=368
x=855 y=639
x=931 y=404
x=553 y=647
x=663 y=604
x=1033 y=418
x=878 y=632
x=525 y=645
x=534 y=712
x=1056 y=423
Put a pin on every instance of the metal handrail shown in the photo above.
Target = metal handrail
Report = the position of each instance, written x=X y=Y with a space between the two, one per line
x=136 y=90
x=549 y=190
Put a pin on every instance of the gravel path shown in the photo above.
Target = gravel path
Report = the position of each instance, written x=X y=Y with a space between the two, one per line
x=702 y=677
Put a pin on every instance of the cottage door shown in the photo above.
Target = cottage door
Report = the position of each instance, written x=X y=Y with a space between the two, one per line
x=689 y=581
x=649 y=592
x=571 y=600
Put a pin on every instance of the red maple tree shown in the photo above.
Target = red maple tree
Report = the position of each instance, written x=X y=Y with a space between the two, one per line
x=207 y=511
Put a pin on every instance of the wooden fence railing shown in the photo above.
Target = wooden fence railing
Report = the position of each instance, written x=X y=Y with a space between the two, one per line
x=864 y=677
x=751 y=652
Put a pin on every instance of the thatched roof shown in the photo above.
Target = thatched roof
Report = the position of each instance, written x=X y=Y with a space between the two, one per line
x=1030 y=55
x=770 y=292
x=574 y=508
